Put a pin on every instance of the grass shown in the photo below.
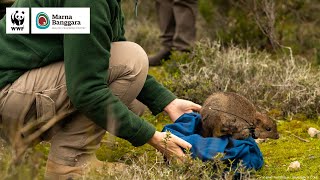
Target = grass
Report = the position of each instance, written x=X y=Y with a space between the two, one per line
x=145 y=163
x=263 y=78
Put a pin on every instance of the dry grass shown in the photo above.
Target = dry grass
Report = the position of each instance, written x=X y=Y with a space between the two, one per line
x=283 y=83
x=141 y=169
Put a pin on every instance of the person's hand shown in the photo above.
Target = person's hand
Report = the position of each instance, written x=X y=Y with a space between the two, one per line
x=169 y=145
x=180 y=106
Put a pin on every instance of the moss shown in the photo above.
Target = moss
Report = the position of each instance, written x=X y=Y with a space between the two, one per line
x=278 y=154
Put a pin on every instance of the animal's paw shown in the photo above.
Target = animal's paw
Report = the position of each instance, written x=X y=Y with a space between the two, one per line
x=243 y=134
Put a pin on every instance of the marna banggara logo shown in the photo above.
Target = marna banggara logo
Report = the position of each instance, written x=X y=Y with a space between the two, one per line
x=56 y=20
x=17 y=19
x=42 y=21
x=64 y=20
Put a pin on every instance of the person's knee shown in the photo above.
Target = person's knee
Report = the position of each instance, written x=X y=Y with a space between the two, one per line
x=129 y=55
x=138 y=57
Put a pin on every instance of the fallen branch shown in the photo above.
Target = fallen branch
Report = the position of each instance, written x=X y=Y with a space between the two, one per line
x=300 y=138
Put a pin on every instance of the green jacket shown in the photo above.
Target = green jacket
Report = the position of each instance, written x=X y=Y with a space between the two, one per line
x=86 y=58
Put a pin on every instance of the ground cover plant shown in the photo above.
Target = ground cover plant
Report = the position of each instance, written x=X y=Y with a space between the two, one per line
x=285 y=85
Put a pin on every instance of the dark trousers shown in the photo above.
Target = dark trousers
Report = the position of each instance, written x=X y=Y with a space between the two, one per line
x=177 y=20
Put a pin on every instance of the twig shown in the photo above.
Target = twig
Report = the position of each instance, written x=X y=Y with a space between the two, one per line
x=21 y=144
x=301 y=139
x=109 y=143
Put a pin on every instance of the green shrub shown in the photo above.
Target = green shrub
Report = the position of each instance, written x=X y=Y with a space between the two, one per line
x=287 y=84
x=264 y=24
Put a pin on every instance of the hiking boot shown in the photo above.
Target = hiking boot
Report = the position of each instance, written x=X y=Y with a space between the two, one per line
x=62 y=172
x=163 y=54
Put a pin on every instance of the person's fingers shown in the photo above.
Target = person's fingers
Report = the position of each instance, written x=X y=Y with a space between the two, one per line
x=178 y=152
x=180 y=142
x=195 y=107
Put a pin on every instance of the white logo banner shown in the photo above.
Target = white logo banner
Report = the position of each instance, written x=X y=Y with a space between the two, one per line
x=17 y=20
x=60 y=20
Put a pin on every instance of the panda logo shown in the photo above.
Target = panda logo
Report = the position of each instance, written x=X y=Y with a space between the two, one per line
x=17 y=18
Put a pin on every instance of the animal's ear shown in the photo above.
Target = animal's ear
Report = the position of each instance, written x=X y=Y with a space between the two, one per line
x=258 y=118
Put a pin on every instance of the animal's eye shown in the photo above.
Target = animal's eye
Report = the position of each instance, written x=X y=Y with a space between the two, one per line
x=268 y=129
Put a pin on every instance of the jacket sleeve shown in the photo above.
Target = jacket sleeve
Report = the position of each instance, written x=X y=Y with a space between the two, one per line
x=122 y=37
x=86 y=64
x=155 y=96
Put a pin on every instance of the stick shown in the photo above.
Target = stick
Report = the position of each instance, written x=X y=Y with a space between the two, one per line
x=301 y=139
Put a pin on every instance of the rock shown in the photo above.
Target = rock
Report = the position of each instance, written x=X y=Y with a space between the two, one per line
x=295 y=165
x=258 y=141
x=314 y=132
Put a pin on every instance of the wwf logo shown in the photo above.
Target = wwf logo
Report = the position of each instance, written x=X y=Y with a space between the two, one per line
x=17 y=18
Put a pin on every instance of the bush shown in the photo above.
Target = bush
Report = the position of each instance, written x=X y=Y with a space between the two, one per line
x=265 y=24
x=259 y=24
x=285 y=84
x=141 y=168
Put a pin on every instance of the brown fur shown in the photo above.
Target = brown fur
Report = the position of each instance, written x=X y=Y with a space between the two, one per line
x=232 y=114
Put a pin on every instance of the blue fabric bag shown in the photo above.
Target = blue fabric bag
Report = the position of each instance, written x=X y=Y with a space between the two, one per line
x=188 y=127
